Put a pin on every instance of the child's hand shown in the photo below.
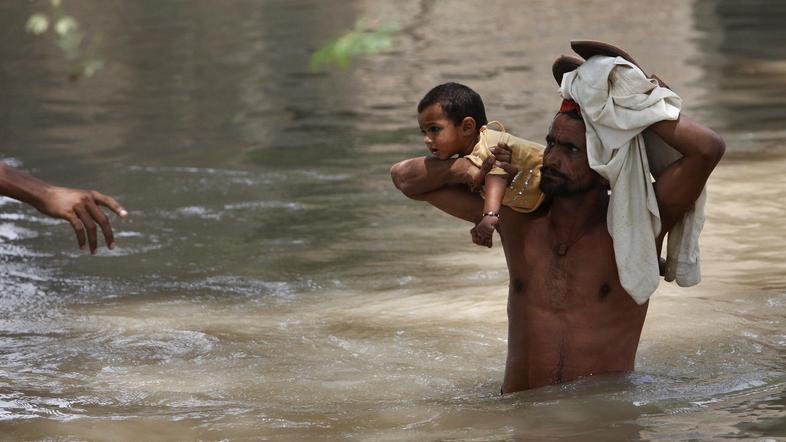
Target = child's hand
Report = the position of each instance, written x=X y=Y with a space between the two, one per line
x=484 y=231
x=476 y=237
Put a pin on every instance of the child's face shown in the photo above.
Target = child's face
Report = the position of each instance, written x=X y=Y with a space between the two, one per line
x=443 y=138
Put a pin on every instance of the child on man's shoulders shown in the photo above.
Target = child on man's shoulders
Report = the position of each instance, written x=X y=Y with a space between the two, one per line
x=453 y=121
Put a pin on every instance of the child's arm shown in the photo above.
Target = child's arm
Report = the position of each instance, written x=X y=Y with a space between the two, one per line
x=494 y=190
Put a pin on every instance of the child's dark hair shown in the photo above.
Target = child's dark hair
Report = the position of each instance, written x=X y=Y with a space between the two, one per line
x=458 y=101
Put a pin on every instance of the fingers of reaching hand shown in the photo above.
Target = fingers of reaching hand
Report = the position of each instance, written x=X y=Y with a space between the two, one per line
x=81 y=209
x=79 y=228
x=102 y=220
x=90 y=226
x=109 y=202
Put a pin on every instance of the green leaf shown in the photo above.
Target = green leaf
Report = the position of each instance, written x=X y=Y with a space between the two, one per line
x=37 y=24
x=70 y=44
x=66 y=25
x=359 y=41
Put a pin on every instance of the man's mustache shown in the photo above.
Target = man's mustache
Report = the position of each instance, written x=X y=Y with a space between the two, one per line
x=552 y=171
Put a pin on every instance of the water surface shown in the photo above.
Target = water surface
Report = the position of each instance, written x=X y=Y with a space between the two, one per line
x=271 y=283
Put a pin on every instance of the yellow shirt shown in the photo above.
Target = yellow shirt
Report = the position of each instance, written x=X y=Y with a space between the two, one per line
x=523 y=194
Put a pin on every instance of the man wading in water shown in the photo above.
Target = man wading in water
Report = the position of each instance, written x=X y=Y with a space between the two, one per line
x=568 y=314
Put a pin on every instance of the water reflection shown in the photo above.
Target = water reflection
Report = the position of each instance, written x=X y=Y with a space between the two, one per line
x=745 y=64
x=270 y=281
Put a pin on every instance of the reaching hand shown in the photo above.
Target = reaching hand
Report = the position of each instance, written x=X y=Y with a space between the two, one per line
x=484 y=231
x=80 y=208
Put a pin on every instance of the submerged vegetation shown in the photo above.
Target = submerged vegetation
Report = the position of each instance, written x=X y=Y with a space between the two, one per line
x=364 y=39
x=69 y=37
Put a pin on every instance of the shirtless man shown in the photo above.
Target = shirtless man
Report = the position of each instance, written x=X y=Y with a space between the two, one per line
x=568 y=315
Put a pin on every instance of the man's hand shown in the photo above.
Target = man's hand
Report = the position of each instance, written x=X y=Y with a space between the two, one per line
x=80 y=208
x=476 y=176
x=500 y=157
x=502 y=154
x=484 y=231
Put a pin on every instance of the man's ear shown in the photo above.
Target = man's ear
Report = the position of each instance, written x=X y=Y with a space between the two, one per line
x=468 y=125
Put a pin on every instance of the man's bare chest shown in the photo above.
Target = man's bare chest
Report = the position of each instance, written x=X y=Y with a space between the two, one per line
x=548 y=273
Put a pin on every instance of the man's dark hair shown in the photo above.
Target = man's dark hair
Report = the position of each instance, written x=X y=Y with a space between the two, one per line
x=458 y=101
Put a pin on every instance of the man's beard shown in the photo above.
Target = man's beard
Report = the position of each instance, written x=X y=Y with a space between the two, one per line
x=562 y=187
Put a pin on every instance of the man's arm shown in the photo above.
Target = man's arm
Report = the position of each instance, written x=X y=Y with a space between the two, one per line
x=442 y=183
x=78 y=207
x=416 y=176
x=456 y=200
x=680 y=184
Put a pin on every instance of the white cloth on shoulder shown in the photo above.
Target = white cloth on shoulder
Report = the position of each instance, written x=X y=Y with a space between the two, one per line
x=618 y=102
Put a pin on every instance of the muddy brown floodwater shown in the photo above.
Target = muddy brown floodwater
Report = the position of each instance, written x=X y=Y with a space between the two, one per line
x=270 y=283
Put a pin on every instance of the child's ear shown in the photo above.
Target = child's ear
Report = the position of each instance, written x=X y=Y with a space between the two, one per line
x=468 y=125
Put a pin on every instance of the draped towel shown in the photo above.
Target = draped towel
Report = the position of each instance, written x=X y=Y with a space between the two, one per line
x=618 y=103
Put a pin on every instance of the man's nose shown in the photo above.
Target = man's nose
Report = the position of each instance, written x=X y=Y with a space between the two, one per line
x=426 y=139
x=552 y=159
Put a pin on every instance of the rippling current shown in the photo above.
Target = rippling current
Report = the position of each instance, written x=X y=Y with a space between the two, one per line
x=271 y=283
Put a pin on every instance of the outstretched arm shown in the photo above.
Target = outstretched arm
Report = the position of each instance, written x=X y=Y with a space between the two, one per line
x=443 y=183
x=416 y=176
x=446 y=183
x=680 y=184
x=456 y=200
x=78 y=207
